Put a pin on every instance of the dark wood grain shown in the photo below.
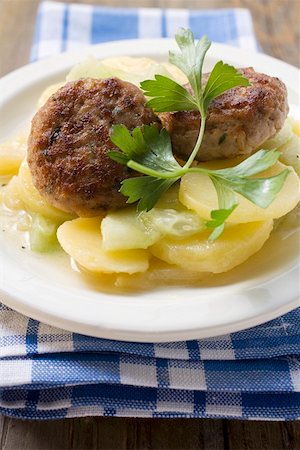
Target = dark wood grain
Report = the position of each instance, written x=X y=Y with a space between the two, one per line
x=276 y=24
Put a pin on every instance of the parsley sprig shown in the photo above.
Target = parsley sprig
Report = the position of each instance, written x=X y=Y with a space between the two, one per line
x=149 y=151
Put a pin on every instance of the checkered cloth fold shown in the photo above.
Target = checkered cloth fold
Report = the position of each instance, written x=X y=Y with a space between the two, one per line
x=48 y=373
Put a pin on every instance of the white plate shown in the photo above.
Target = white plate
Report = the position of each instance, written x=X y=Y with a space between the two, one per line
x=261 y=289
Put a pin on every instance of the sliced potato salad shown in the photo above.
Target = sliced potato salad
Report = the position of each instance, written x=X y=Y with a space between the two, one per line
x=171 y=241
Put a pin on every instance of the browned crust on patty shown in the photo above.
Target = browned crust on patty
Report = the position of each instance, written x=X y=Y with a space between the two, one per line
x=70 y=138
x=238 y=121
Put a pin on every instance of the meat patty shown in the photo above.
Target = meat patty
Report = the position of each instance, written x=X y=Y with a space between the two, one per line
x=238 y=121
x=70 y=138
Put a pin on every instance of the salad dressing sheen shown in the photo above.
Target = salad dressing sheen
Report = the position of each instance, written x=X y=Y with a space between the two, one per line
x=278 y=254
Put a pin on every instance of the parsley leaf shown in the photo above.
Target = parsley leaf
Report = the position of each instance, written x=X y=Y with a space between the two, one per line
x=168 y=95
x=158 y=155
x=145 y=190
x=222 y=78
x=256 y=163
x=148 y=151
x=131 y=145
x=191 y=58
x=261 y=191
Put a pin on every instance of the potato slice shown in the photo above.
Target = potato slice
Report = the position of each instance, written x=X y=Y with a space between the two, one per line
x=197 y=192
x=81 y=239
x=11 y=195
x=33 y=200
x=12 y=153
x=197 y=253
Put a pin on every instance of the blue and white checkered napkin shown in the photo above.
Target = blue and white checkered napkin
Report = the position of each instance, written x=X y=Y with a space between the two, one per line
x=66 y=27
x=48 y=373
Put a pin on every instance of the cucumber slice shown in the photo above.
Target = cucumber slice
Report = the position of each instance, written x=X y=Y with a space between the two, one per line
x=42 y=235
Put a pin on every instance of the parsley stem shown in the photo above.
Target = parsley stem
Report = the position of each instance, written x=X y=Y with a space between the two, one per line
x=198 y=142
x=154 y=173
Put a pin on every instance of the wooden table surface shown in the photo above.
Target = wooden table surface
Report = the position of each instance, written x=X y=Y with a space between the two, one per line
x=276 y=24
